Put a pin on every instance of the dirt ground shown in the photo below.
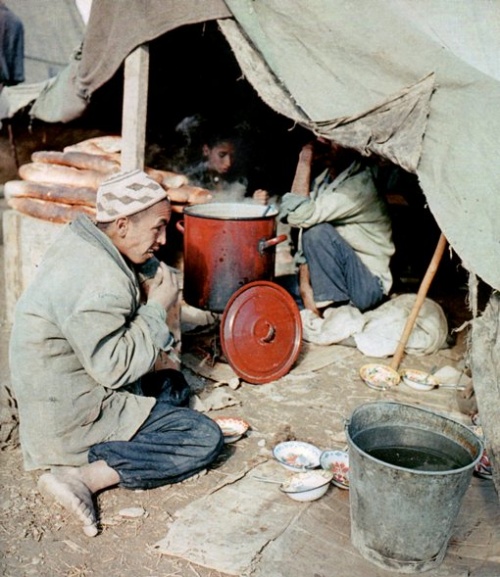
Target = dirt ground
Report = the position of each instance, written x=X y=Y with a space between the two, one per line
x=38 y=538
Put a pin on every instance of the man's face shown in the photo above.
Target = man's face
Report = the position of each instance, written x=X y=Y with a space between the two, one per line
x=220 y=157
x=143 y=234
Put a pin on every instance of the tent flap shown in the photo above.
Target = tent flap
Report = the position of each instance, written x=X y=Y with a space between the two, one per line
x=392 y=78
x=409 y=96
x=60 y=99
x=392 y=130
x=260 y=75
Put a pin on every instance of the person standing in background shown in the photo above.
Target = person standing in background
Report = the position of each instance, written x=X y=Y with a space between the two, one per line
x=11 y=54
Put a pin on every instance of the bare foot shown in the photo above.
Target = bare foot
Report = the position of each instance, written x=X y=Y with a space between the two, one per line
x=72 y=493
x=306 y=291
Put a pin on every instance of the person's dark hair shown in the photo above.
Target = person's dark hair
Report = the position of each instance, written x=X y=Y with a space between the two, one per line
x=215 y=138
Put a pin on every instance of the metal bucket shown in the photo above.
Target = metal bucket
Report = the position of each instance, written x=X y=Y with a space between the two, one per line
x=408 y=471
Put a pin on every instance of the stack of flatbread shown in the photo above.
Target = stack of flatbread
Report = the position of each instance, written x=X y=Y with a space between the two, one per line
x=57 y=186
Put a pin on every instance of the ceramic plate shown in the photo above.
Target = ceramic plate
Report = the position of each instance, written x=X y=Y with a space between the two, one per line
x=418 y=380
x=337 y=463
x=483 y=469
x=297 y=455
x=233 y=428
x=378 y=376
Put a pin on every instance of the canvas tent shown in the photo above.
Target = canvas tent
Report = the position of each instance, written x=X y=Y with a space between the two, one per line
x=416 y=83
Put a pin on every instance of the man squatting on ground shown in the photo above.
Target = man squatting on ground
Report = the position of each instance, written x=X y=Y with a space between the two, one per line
x=345 y=241
x=85 y=331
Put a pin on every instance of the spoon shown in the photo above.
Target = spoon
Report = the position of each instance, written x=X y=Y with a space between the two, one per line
x=429 y=374
x=267 y=480
x=450 y=386
x=267 y=209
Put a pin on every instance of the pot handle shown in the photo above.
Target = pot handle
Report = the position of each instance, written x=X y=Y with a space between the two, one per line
x=264 y=244
x=179 y=225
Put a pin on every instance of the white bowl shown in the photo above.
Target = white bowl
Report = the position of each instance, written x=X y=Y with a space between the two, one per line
x=307 y=486
x=379 y=377
x=418 y=380
x=337 y=463
x=297 y=455
x=233 y=428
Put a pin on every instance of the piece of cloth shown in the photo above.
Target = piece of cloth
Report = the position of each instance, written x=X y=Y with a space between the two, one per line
x=336 y=325
x=385 y=325
x=125 y=194
x=80 y=341
x=172 y=444
x=351 y=204
x=377 y=333
x=11 y=47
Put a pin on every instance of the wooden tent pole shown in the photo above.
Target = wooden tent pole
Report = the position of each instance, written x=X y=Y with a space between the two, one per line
x=422 y=293
x=135 y=107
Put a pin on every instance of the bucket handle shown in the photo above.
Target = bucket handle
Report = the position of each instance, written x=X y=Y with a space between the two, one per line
x=265 y=244
x=179 y=225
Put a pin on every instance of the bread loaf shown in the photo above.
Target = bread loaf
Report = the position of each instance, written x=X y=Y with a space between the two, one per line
x=78 y=160
x=193 y=194
x=60 y=174
x=109 y=144
x=49 y=210
x=172 y=179
x=51 y=192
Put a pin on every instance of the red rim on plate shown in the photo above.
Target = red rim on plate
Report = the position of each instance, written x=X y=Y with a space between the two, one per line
x=261 y=332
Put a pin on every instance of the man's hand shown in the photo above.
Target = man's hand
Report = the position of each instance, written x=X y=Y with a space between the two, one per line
x=261 y=196
x=163 y=288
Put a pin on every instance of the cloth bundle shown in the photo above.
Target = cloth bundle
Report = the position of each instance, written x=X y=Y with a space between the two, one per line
x=377 y=333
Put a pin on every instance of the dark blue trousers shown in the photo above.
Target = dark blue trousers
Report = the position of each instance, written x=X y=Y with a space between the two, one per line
x=336 y=271
x=173 y=443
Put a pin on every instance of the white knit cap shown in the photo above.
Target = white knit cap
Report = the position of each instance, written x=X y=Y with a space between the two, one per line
x=127 y=193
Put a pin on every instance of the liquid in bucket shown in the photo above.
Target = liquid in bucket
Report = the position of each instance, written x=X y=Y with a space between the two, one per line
x=414 y=449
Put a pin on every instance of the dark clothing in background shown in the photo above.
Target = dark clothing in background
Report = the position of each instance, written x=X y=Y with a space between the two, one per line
x=11 y=47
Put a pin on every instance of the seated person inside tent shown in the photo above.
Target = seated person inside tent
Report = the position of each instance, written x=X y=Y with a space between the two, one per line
x=219 y=168
x=83 y=345
x=345 y=239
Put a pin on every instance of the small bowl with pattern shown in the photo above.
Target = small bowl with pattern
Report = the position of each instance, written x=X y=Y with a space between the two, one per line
x=233 y=428
x=297 y=456
x=419 y=380
x=337 y=463
x=307 y=485
x=379 y=377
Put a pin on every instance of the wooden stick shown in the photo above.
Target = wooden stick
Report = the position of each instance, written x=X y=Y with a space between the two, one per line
x=135 y=104
x=422 y=293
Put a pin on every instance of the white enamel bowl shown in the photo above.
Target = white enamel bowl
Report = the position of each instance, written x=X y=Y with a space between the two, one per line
x=379 y=377
x=233 y=428
x=307 y=486
x=336 y=463
x=297 y=455
x=418 y=380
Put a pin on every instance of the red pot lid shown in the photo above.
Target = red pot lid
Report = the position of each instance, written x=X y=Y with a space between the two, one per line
x=261 y=332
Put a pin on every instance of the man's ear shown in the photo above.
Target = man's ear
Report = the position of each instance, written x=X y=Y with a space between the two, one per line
x=121 y=225
x=205 y=150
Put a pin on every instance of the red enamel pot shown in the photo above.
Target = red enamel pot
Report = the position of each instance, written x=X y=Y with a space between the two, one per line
x=226 y=246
